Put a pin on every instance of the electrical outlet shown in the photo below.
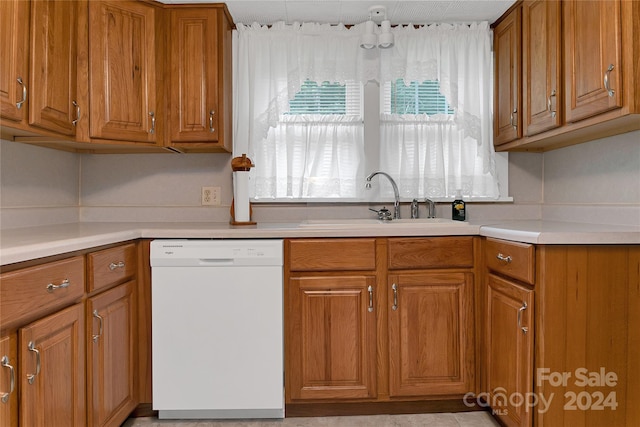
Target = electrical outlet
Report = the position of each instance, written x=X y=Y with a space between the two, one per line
x=210 y=196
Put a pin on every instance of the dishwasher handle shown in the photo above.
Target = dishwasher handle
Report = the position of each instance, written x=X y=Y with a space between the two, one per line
x=216 y=261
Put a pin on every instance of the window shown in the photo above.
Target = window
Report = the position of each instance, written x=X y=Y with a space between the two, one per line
x=415 y=98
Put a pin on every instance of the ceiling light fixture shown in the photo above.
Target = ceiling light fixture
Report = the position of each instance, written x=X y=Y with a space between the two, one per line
x=384 y=39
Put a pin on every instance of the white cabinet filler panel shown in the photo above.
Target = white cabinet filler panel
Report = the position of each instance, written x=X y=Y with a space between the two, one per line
x=217 y=338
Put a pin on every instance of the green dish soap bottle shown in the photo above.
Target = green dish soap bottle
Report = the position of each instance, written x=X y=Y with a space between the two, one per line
x=457 y=207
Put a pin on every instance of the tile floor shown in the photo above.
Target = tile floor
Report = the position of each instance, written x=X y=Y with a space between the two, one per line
x=460 y=419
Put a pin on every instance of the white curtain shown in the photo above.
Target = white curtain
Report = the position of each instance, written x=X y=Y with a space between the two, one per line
x=322 y=156
x=317 y=156
x=433 y=156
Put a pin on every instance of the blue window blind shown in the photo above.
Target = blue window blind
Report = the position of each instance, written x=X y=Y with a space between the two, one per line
x=327 y=98
x=415 y=98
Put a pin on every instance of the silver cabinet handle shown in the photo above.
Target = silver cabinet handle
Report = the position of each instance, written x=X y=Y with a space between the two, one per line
x=394 y=307
x=114 y=265
x=51 y=287
x=553 y=94
x=153 y=122
x=101 y=320
x=520 y=310
x=211 y=128
x=12 y=379
x=32 y=377
x=506 y=259
x=514 y=113
x=607 y=87
x=24 y=93
x=75 y=121
x=370 y=289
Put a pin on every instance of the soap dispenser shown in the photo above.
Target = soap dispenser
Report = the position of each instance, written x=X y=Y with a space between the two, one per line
x=457 y=207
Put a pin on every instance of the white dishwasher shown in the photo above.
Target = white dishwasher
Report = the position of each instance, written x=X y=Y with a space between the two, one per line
x=217 y=328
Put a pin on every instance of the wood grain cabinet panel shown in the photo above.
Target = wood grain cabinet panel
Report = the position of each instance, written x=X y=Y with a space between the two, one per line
x=52 y=362
x=110 y=266
x=122 y=71
x=9 y=381
x=431 y=340
x=507 y=116
x=592 y=50
x=14 y=66
x=32 y=292
x=512 y=259
x=509 y=341
x=52 y=99
x=200 y=67
x=332 y=254
x=331 y=338
x=434 y=252
x=111 y=356
x=542 y=86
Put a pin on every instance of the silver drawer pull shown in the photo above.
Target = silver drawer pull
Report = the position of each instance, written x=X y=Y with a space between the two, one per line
x=211 y=128
x=506 y=259
x=32 y=377
x=12 y=379
x=114 y=265
x=24 y=93
x=370 y=289
x=394 y=287
x=101 y=319
x=51 y=287
x=607 y=86
x=520 y=310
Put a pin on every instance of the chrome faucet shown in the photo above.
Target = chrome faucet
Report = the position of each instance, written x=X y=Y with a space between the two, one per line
x=396 y=193
x=431 y=208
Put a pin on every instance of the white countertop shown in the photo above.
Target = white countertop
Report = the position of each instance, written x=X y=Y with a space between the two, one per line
x=22 y=244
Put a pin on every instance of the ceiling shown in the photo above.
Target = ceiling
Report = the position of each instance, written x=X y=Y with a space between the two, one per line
x=357 y=11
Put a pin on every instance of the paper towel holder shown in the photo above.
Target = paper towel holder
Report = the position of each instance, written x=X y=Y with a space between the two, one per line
x=241 y=164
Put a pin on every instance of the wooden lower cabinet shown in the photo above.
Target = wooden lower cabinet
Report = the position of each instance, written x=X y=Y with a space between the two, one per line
x=332 y=339
x=509 y=340
x=431 y=348
x=111 y=357
x=391 y=327
x=8 y=381
x=52 y=366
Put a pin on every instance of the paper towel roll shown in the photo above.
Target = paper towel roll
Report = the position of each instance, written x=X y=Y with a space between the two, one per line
x=241 y=196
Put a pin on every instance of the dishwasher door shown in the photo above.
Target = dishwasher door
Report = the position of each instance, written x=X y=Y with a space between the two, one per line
x=217 y=338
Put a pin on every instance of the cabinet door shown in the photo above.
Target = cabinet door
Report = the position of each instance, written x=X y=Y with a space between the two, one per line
x=52 y=383
x=8 y=381
x=110 y=356
x=430 y=334
x=331 y=330
x=122 y=71
x=509 y=341
x=541 y=63
x=14 y=66
x=592 y=57
x=52 y=100
x=508 y=82
x=194 y=76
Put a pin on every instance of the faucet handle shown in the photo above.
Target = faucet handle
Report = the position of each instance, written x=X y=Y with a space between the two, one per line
x=431 y=208
x=384 y=214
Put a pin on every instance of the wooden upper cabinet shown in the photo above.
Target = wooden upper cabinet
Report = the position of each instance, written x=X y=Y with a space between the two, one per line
x=542 y=107
x=52 y=100
x=200 y=67
x=592 y=49
x=14 y=62
x=122 y=71
x=507 y=118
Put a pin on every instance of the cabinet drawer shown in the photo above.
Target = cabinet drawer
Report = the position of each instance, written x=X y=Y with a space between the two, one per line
x=512 y=259
x=332 y=254
x=435 y=252
x=111 y=266
x=35 y=291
